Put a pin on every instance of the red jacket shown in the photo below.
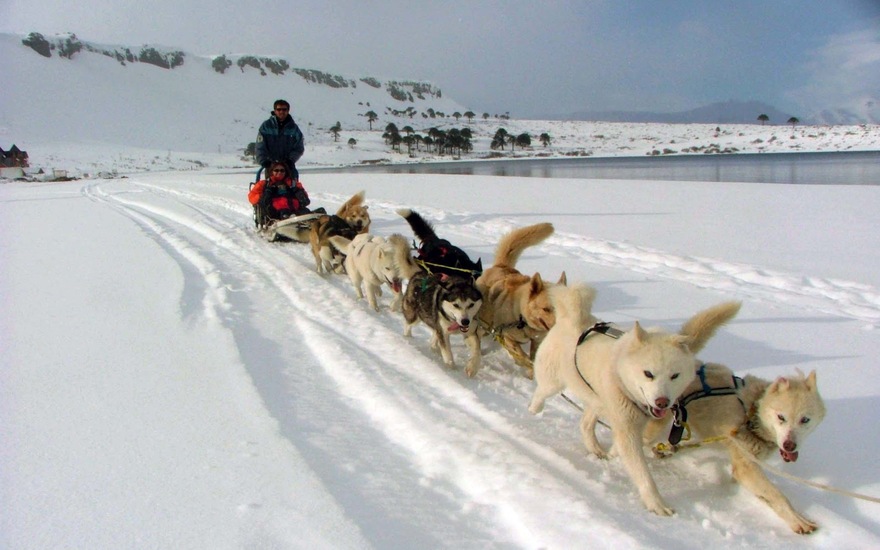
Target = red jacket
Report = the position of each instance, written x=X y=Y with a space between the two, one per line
x=284 y=200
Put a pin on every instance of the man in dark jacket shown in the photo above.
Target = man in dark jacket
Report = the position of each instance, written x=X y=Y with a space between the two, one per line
x=280 y=139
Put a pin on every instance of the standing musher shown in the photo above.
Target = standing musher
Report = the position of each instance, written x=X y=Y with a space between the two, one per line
x=280 y=139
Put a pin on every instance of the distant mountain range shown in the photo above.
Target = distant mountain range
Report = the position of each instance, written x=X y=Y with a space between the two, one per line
x=727 y=112
x=863 y=111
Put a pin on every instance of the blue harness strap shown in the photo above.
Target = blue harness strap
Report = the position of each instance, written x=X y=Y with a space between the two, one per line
x=705 y=391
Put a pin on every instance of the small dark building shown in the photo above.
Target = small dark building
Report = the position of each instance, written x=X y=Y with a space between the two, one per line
x=14 y=157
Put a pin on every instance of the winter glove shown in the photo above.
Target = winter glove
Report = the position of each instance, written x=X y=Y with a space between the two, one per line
x=301 y=196
x=265 y=198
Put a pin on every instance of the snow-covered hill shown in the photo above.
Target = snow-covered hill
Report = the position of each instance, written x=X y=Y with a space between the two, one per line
x=102 y=93
x=96 y=102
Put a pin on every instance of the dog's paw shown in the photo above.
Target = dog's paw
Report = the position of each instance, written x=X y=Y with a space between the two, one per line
x=801 y=525
x=600 y=454
x=659 y=507
x=473 y=366
x=594 y=448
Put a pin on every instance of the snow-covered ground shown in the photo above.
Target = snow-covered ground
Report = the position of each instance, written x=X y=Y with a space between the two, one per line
x=169 y=380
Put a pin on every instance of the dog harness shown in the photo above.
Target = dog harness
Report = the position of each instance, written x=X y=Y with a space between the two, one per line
x=601 y=328
x=608 y=330
x=498 y=332
x=679 y=420
x=598 y=328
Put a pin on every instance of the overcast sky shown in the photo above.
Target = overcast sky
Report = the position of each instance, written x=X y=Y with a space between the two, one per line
x=523 y=57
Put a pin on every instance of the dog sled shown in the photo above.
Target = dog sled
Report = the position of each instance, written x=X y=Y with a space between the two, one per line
x=293 y=228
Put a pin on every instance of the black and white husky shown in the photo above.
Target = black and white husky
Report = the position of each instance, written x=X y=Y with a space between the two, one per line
x=448 y=305
x=438 y=255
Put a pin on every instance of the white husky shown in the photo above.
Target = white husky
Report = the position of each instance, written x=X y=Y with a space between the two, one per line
x=760 y=417
x=372 y=261
x=625 y=378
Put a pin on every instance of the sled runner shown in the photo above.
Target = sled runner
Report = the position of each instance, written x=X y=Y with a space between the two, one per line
x=294 y=228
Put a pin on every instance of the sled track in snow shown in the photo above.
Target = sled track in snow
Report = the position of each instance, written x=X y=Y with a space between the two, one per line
x=835 y=297
x=403 y=400
x=393 y=388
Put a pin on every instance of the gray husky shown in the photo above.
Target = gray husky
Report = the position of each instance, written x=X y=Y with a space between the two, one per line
x=447 y=304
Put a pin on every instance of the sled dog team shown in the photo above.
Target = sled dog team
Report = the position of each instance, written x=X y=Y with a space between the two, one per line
x=644 y=384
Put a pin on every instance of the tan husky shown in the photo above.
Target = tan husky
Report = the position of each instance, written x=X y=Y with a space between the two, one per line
x=759 y=416
x=351 y=219
x=626 y=378
x=516 y=308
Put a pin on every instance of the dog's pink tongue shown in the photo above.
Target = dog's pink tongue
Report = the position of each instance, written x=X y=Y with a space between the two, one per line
x=453 y=327
x=658 y=413
x=788 y=456
x=396 y=285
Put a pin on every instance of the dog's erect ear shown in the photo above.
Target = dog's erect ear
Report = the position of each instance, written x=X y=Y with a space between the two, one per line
x=811 y=382
x=536 y=284
x=639 y=334
x=563 y=280
x=357 y=199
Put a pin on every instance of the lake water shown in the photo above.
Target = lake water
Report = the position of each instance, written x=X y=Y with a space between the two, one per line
x=851 y=168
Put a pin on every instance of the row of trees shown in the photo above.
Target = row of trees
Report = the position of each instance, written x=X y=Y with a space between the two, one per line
x=502 y=137
x=431 y=113
x=454 y=141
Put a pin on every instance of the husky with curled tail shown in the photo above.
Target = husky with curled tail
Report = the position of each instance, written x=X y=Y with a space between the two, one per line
x=516 y=308
x=438 y=255
x=625 y=378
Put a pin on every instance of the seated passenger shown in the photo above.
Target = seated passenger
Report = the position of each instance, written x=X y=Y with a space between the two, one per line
x=280 y=194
